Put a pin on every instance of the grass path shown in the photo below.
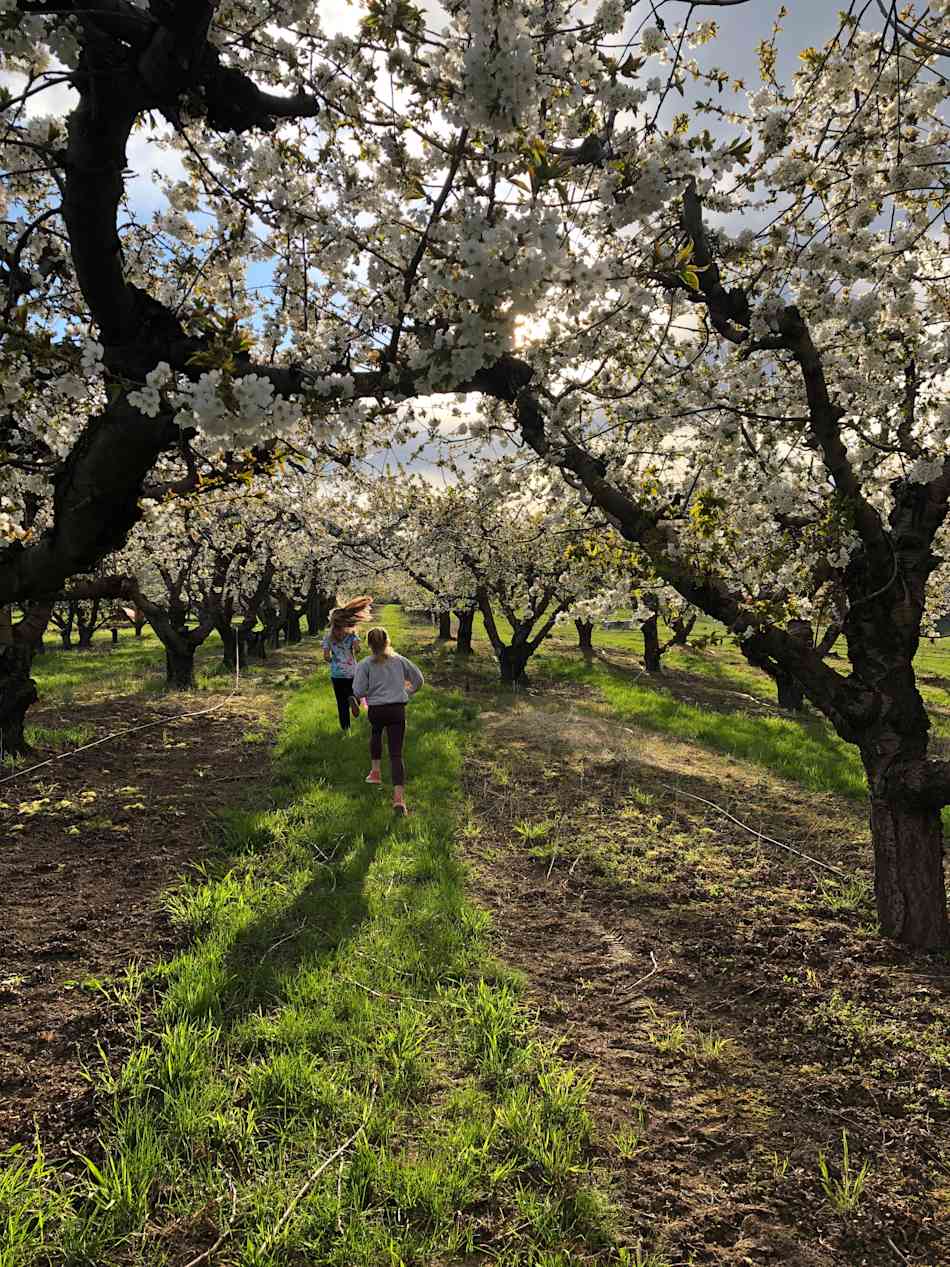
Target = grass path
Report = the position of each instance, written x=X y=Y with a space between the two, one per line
x=334 y=1072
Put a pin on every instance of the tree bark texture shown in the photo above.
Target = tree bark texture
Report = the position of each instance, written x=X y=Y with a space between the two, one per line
x=512 y=662
x=445 y=627
x=17 y=694
x=909 y=882
x=789 y=691
x=463 y=639
x=585 y=636
x=180 y=667
x=651 y=645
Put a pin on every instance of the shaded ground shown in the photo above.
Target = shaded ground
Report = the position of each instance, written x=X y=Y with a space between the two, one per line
x=88 y=844
x=775 y=1019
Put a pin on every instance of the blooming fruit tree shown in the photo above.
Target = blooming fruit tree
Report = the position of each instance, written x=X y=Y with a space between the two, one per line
x=724 y=320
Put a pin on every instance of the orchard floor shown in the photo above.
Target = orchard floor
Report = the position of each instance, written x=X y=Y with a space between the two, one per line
x=89 y=845
x=770 y=1018
x=730 y=1002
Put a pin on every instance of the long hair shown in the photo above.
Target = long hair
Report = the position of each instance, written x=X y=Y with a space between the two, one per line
x=344 y=619
x=379 y=644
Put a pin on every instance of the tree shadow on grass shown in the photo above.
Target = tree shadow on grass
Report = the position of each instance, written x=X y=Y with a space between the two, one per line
x=804 y=750
x=319 y=843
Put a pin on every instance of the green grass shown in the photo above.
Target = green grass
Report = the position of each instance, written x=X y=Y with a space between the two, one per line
x=134 y=666
x=337 y=992
x=59 y=738
x=806 y=751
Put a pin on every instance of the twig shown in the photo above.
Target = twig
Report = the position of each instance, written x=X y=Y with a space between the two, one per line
x=902 y=1257
x=299 y=929
x=551 y=867
x=305 y=1188
x=398 y=998
x=208 y=1252
x=678 y=791
x=224 y=1235
x=652 y=973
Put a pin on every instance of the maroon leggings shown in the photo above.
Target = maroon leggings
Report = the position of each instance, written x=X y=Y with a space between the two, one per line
x=392 y=719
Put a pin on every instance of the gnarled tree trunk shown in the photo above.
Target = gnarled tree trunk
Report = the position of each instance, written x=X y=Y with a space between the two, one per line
x=651 y=645
x=86 y=628
x=445 y=627
x=233 y=641
x=17 y=694
x=909 y=881
x=463 y=639
x=681 y=631
x=789 y=692
x=585 y=636
x=512 y=662
x=180 y=666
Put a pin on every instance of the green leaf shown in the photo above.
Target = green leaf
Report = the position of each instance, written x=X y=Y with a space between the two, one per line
x=690 y=277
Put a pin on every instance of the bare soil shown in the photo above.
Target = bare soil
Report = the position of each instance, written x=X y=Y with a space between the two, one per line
x=88 y=845
x=732 y=1003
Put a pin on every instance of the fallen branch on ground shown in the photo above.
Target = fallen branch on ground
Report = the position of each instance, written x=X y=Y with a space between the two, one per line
x=652 y=973
x=678 y=791
x=310 y=1181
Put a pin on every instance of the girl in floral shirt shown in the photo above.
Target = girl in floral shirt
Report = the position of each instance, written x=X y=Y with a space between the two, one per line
x=339 y=651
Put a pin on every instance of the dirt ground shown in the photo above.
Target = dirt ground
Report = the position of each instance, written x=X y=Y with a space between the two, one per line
x=732 y=1002
x=88 y=844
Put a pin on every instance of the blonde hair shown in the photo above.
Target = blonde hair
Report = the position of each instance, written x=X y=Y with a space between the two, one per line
x=344 y=619
x=379 y=644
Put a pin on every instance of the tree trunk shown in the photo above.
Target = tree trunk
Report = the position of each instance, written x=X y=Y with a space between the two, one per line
x=66 y=635
x=139 y=626
x=86 y=628
x=294 y=633
x=319 y=604
x=180 y=667
x=17 y=693
x=585 y=636
x=651 y=646
x=445 y=627
x=229 y=641
x=463 y=640
x=790 y=693
x=681 y=631
x=271 y=622
x=909 y=882
x=115 y=636
x=512 y=662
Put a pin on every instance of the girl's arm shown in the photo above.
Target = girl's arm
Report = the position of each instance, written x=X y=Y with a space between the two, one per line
x=413 y=676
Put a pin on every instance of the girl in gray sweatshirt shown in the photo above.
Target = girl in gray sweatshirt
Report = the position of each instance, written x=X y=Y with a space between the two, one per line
x=386 y=681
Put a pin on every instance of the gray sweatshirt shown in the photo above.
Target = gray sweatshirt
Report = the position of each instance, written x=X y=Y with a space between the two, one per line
x=384 y=682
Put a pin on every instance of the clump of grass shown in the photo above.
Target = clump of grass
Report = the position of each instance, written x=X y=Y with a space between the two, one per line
x=843 y=1190
x=628 y=1140
x=58 y=738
